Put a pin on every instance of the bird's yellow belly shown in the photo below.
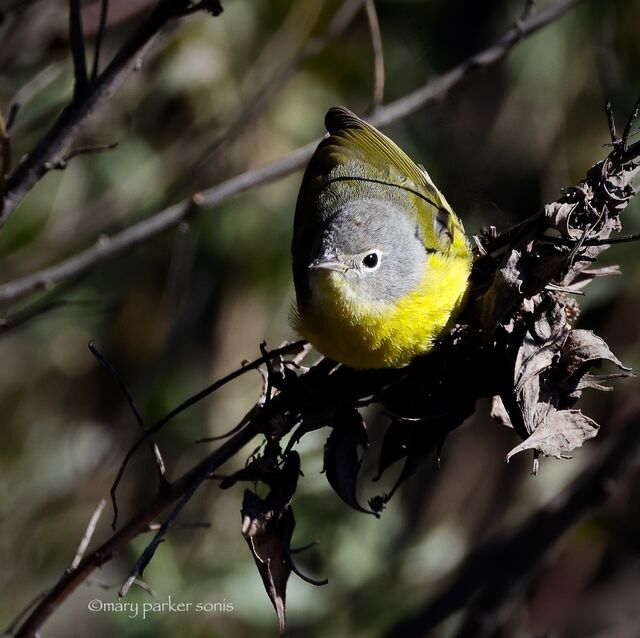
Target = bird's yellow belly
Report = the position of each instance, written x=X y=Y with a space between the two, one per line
x=384 y=335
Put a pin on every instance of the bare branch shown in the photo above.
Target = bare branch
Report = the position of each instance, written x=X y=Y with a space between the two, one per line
x=68 y=123
x=439 y=87
x=88 y=535
x=39 y=307
x=154 y=527
x=630 y=122
x=621 y=239
x=13 y=114
x=612 y=122
x=104 y=11
x=210 y=6
x=155 y=450
x=61 y=163
x=187 y=403
x=76 y=42
x=258 y=100
x=150 y=550
x=109 y=247
x=50 y=301
x=10 y=630
x=378 y=56
x=136 y=525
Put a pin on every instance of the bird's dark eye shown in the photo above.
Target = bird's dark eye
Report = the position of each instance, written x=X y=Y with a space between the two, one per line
x=370 y=260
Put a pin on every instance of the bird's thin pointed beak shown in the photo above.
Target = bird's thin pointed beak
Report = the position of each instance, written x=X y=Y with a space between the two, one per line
x=328 y=263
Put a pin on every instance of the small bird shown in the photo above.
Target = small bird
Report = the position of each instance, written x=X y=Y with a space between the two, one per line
x=381 y=263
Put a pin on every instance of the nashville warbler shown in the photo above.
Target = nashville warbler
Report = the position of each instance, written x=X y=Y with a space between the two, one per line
x=381 y=263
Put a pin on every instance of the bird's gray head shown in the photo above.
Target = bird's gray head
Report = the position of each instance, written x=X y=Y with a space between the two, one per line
x=375 y=246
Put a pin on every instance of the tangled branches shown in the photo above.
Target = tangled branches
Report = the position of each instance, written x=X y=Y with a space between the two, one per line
x=514 y=342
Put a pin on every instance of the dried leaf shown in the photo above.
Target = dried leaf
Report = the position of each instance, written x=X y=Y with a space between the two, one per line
x=267 y=526
x=549 y=377
x=499 y=413
x=561 y=432
x=586 y=276
x=595 y=380
x=580 y=351
x=558 y=216
x=341 y=457
x=267 y=541
x=540 y=341
x=423 y=437
x=427 y=437
x=506 y=288
x=395 y=445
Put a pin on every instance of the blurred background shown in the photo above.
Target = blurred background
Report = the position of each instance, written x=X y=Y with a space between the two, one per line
x=218 y=96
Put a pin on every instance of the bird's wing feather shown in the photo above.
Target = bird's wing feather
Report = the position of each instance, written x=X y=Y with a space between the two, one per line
x=353 y=138
x=353 y=144
x=369 y=161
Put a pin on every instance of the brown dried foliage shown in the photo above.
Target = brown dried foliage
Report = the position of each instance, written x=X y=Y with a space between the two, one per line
x=515 y=342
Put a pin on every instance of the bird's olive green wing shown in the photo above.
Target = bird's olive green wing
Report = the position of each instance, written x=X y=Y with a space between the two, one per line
x=354 y=139
x=366 y=162
x=356 y=150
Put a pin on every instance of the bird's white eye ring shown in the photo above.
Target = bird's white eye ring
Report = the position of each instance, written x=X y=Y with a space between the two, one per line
x=371 y=260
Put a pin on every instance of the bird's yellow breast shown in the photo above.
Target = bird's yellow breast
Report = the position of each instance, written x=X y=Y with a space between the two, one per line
x=365 y=334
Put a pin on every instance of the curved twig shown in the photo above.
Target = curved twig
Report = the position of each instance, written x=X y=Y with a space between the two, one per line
x=187 y=403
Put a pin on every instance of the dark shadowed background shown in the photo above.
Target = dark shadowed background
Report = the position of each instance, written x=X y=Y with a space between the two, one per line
x=213 y=98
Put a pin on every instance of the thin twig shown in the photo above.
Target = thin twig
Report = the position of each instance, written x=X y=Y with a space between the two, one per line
x=187 y=403
x=139 y=582
x=39 y=307
x=317 y=582
x=256 y=100
x=378 y=55
x=268 y=377
x=66 y=127
x=197 y=525
x=30 y=89
x=139 y=567
x=210 y=6
x=440 y=86
x=88 y=535
x=247 y=417
x=61 y=163
x=138 y=524
x=104 y=11
x=630 y=122
x=604 y=241
x=170 y=217
x=612 y=122
x=76 y=42
x=155 y=450
x=10 y=630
